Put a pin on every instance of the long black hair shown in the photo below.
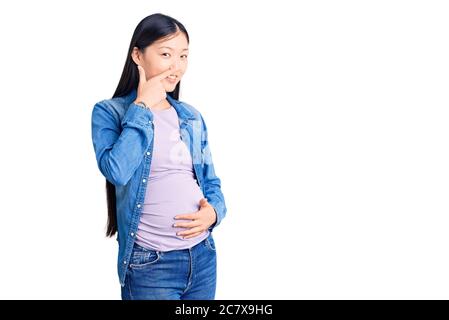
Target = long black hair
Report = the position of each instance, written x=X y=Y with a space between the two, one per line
x=150 y=29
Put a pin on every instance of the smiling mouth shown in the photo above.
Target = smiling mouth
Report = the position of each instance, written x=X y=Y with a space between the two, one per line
x=171 y=79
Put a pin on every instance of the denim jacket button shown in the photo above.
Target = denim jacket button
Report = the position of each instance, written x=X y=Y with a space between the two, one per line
x=138 y=206
x=144 y=180
x=132 y=234
x=148 y=153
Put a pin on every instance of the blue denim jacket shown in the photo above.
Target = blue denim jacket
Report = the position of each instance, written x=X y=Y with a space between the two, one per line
x=122 y=136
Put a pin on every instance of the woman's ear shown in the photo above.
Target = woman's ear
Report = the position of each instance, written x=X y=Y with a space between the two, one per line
x=135 y=55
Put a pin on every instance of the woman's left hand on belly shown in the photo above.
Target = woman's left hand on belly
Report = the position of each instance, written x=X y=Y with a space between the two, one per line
x=201 y=220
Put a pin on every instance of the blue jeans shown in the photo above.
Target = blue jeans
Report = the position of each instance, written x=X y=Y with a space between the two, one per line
x=187 y=274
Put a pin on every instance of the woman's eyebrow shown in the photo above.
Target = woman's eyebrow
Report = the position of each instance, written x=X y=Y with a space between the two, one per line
x=172 y=48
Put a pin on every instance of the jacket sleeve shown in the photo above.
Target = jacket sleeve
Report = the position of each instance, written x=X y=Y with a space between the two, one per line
x=119 y=150
x=212 y=184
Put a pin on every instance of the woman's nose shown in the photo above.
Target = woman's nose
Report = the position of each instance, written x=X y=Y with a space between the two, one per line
x=175 y=66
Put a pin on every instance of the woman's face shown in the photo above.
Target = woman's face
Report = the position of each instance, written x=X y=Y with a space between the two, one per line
x=162 y=54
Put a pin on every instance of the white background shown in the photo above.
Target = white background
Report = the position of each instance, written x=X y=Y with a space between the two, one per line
x=328 y=125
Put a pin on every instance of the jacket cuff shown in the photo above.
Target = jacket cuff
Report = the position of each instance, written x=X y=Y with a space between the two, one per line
x=137 y=114
x=216 y=204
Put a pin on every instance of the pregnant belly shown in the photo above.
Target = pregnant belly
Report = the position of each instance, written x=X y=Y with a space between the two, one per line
x=166 y=197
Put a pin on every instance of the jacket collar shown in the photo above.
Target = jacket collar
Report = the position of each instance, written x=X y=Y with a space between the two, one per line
x=183 y=112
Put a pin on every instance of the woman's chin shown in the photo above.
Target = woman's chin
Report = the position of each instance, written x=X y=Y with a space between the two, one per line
x=170 y=88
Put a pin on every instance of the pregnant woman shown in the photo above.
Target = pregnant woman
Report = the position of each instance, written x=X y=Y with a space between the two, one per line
x=164 y=197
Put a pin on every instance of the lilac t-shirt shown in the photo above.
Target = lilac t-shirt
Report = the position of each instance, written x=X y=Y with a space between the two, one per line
x=171 y=190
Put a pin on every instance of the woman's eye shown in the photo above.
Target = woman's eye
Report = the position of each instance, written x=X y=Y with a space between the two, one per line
x=169 y=54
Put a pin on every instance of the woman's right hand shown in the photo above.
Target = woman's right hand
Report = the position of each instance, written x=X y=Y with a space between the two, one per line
x=151 y=92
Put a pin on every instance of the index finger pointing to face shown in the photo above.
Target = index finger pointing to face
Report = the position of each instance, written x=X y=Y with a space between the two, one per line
x=161 y=76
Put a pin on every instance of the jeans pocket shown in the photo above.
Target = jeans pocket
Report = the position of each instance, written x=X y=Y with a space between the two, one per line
x=210 y=243
x=142 y=257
